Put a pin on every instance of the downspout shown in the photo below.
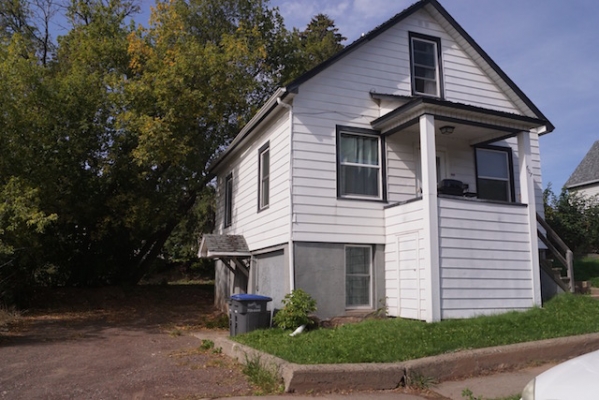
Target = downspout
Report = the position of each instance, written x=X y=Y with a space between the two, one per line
x=291 y=213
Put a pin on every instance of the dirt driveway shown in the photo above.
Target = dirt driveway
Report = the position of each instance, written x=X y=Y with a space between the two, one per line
x=116 y=344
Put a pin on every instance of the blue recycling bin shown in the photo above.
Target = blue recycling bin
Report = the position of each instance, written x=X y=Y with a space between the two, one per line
x=247 y=312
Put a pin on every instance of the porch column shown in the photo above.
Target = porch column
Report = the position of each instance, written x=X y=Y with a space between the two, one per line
x=527 y=196
x=431 y=216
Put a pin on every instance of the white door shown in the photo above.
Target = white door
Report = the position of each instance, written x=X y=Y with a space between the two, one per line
x=408 y=275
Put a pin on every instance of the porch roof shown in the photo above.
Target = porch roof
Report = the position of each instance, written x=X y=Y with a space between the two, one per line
x=217 y=246
x=408 y=113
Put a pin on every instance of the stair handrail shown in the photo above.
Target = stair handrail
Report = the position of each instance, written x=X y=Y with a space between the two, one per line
x=565 y=256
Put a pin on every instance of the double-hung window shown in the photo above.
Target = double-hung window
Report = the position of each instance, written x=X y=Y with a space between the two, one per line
x=228 y=220
x=494 y=179
x=264 y=177
x=425 y=65
x=358 y=268
x=359 y=164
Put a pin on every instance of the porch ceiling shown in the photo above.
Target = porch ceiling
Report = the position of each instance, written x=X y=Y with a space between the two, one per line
x=474 y=124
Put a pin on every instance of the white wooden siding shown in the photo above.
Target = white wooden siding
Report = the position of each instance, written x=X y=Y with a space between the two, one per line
x=588 y=191
x=405 y=259
x=340 y=95
x=268 y=227
x=484 y=258
x=401 y=169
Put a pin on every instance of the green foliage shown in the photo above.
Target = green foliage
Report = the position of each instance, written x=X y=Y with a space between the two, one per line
x=394 y=340
x=265 y=379
x=587 y=269
x=575 y=218
x=308 y=48
x=296 y=310
x=106 y=135
x=469 y=395
x=419 y=381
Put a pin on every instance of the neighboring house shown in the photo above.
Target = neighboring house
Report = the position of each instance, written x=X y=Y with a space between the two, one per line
x=585 y=178
x=333 y=186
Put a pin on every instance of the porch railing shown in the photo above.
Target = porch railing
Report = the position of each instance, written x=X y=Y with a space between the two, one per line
x=560 y=251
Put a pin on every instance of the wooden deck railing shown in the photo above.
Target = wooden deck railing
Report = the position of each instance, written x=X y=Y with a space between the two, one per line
x=559 y=250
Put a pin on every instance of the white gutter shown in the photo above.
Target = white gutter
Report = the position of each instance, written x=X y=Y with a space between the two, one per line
x=290 y=180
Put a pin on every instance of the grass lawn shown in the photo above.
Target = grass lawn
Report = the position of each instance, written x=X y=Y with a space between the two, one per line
x=392 y=340
x=587 y=269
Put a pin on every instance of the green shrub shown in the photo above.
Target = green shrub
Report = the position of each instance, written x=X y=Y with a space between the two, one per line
x=297 y=307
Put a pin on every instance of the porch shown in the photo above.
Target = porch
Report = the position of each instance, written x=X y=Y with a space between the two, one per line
x=483 y=262
x=475 y=252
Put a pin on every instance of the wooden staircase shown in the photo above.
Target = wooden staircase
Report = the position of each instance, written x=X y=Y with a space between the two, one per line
x=558 y=251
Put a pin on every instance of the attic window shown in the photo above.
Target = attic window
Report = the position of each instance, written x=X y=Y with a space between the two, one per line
x=425 y=64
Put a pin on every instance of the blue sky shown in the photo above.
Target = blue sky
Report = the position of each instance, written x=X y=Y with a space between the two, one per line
x=549 y=48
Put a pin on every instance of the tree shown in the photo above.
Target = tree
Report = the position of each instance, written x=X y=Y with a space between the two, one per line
x=106 y=141
x=31 y=20
x=575 y=218
x=317 y=43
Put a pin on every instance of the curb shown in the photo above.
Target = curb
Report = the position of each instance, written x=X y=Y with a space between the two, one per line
x=300 y=378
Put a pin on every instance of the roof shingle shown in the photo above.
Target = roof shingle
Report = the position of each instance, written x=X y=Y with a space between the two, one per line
x=587 y=171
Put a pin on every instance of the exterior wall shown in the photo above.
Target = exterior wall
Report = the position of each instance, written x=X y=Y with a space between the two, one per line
x=484 y=257
x=270 y=275
x=405 y=261
x=268 y=227
x=340 y=95
x=402 y=167
x=320 y=271
x=587 y=191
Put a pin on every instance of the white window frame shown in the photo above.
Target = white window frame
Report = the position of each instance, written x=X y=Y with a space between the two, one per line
x=228 y=211
x=263 y=179
x=437 y=57
x=379 y=167
x=370 y=278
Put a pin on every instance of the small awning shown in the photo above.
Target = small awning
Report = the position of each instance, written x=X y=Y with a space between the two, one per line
x=223 y=246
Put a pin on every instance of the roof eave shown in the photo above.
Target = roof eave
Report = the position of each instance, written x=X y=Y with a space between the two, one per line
x=270 y=106
x=434 y=3
x=383 y=121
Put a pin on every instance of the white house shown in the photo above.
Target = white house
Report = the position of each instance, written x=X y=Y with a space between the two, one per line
x=350 y=182
x=585 y=178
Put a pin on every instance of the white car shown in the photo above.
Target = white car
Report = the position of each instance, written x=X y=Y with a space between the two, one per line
x=575 y=379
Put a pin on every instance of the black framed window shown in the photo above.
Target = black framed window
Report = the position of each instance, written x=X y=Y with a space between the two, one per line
x=359 y=163
x=494 y=173
x=425 y=64
x=264 y=177
x=228 y=200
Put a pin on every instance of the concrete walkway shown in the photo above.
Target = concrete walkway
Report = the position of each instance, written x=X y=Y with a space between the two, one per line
x=491 y=372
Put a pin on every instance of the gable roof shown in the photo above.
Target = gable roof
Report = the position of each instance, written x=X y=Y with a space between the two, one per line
x=587 y=172
x=437 y=11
